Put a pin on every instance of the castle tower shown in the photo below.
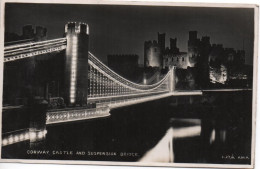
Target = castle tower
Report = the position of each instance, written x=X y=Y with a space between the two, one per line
x=28 y=32
x=41 y=33
x=193 y=48
x=173 y=45
x=161 y=41
x=152 y=54
x=76 y=64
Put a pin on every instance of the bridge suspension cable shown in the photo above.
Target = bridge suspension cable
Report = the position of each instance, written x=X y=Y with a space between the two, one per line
x=105 y=83
x=119 y=78
x=33 y=43
x=25 y=50
x=31 y=47
x=18 y=41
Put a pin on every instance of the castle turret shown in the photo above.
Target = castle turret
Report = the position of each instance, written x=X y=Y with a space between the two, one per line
x=193 y=48
x=152 y=54
x=161 y=41
x=173 y=45
x=28 y=32
x=41 y=33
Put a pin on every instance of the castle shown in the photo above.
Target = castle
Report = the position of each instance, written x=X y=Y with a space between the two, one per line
x=213 y=62
x=28 y=33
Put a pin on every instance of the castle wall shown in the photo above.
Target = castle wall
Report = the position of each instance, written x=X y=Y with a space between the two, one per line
x=179 y=60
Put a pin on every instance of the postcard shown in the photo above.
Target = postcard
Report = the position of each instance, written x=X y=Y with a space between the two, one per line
x=129 y=83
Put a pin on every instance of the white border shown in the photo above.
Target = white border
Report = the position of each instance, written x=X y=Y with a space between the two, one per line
x=220 y=3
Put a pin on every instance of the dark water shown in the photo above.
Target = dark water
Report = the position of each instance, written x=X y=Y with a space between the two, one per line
x=224 y=120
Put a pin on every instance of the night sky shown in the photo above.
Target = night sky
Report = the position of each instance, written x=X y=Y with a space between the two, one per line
x=123 y=29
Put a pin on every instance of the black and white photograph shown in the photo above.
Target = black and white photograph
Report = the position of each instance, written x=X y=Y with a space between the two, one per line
x=129 y=84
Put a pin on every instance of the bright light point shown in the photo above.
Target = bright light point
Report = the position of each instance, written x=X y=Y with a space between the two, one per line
x=40 y=135
x=26 y=136
x=145 y=81
x=212 y=136
x=87 y=31
x=21 y=137
x=16 y=138
x=10 y=140
x=45 y=132
x=5 y=142
x=32 y=135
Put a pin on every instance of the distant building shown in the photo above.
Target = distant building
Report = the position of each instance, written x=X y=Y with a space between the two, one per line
x=213 y=63
x=28 y=32
x=226 y=64
x=27 y=71
x=41 y=33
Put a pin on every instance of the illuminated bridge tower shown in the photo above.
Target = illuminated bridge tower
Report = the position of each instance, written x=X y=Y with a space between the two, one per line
x=76 y=64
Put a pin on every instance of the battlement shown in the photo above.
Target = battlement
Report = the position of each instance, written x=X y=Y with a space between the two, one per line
x=74 y=27
x=180 y=54
x=220 y=45
x=205 y=39
x=151 y=43
x=123 y=55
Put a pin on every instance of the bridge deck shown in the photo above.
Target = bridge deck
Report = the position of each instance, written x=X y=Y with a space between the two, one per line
x=132 y=101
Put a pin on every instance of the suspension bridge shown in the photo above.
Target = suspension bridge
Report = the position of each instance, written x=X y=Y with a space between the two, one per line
x=88 y=81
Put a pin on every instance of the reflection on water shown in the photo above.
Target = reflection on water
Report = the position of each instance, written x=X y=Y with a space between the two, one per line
x=205 y=129
x=164 y=150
